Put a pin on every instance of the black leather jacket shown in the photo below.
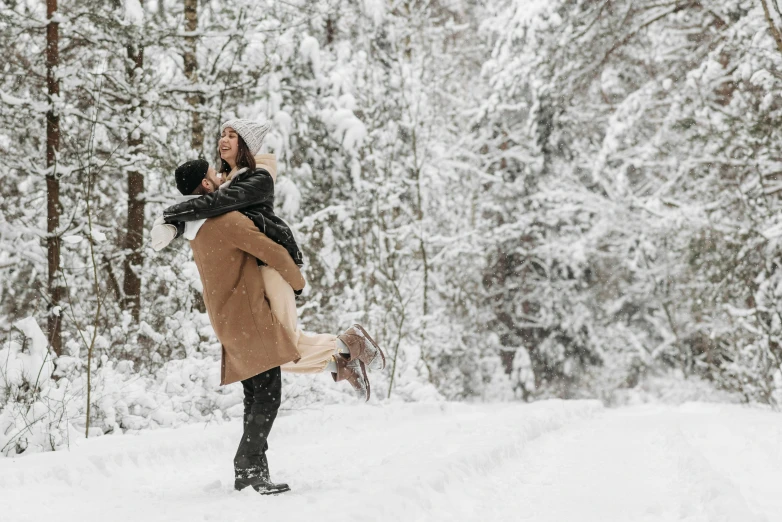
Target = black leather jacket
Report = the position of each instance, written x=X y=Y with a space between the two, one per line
x=252 y=194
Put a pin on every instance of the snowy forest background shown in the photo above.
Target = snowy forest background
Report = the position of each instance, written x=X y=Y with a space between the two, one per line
x=520 y=199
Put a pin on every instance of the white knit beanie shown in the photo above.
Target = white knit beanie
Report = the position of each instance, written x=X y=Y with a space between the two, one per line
x=252 y=132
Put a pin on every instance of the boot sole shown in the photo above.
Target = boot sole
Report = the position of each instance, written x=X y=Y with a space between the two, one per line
x=272 y=492
x=366 y=379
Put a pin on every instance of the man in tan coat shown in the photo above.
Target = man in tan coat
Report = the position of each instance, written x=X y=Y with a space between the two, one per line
x=254 y=343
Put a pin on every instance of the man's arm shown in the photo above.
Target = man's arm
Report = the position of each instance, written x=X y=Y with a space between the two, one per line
x=240 y=231
x=243 y=192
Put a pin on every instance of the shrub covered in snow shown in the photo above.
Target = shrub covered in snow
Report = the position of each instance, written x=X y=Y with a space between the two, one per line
x=43 y=399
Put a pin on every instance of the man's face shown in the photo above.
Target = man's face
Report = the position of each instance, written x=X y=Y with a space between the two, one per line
x=212 y=181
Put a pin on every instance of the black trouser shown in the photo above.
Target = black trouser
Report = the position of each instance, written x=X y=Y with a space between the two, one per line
x=262 y=395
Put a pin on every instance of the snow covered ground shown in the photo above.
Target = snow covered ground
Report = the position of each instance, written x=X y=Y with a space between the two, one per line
x=551 y=461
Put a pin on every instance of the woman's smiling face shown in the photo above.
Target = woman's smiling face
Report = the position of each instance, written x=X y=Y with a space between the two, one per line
x=229 y=146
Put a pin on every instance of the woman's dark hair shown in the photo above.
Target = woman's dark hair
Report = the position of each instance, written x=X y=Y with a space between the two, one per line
x=244 y=157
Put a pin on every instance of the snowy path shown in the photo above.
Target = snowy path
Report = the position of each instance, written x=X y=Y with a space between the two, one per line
x=546 y=462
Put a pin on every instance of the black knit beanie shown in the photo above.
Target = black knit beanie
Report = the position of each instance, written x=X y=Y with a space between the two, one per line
x=189 y=175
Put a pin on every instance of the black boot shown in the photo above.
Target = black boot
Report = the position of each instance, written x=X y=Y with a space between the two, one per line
x=267 y=487
x=261 y=484
x=258 y=478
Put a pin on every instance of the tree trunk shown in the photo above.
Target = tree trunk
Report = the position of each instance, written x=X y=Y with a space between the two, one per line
x=195 y=100
x=775 y=31
x=52 y=182
x=135 y=230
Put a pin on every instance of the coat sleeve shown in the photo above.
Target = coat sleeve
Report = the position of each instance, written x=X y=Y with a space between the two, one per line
x=240 y=231
x=242 y=193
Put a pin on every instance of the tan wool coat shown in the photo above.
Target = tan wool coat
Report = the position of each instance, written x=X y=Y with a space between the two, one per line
x=225 y=251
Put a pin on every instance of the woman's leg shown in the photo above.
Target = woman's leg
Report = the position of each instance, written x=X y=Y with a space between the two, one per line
x=319 y=352
x=282 y=300
x=316 y=350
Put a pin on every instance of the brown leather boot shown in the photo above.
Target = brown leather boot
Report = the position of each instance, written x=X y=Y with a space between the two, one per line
x=363 y=347
x=354 y=372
